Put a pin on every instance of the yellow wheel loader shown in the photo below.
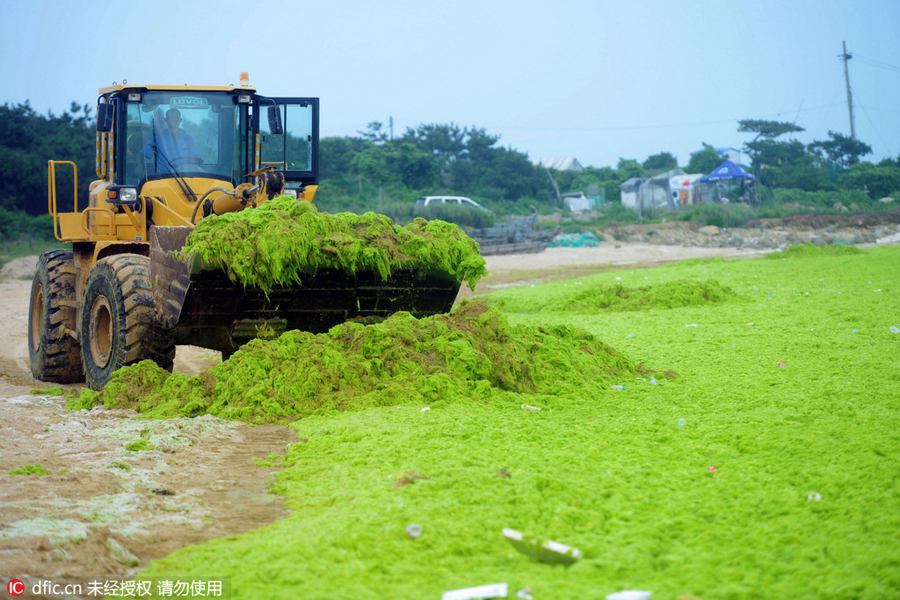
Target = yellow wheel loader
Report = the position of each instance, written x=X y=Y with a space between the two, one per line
x=167 y=157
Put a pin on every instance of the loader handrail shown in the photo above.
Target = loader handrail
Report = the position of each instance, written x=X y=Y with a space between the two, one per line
x=51 y=192
x=112 y=219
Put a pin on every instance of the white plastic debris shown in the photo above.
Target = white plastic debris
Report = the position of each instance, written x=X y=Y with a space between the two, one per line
x=427 y=408
x=630 y=595
x=414 y=531
x=692 y=325
x=894 y=329
x=814 y=496
x=546 y=551
x=494 y=590
x=529 y=407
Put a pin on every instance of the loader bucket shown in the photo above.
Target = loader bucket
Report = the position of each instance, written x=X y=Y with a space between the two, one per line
x=207 y=309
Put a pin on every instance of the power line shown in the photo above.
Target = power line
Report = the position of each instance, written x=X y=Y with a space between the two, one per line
x=644 y=127
x=877 y=63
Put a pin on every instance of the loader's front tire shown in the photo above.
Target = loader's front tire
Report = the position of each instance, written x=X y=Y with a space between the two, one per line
x=118 y=320
x=52 y=347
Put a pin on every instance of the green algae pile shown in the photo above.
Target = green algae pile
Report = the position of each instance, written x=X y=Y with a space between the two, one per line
x=811 y=250
x=285 y=240
x=30 y=470
x=471 y=354
x=593 y=297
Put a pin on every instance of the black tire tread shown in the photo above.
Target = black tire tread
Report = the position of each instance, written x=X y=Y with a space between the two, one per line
x=145 y=338
x=60 y=358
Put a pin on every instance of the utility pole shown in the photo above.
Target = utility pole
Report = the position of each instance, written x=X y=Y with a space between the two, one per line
x=846 y=56
x=391 y=121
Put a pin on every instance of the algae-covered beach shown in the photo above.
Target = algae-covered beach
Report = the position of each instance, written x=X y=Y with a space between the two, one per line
x=750 y=448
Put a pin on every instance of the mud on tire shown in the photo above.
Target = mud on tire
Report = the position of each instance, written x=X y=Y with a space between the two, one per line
x=118 y=320
x=54 y=352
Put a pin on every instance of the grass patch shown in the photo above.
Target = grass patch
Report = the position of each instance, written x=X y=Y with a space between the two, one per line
x=804 y=500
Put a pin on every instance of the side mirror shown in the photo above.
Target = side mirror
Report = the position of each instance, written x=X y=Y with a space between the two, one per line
x=104 y=117
x=275 y=126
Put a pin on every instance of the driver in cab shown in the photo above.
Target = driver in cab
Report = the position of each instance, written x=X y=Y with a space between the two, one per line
x=172 y=146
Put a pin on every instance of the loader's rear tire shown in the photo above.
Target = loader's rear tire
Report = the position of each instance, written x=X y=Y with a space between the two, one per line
x=119 y=325
x=54 y=352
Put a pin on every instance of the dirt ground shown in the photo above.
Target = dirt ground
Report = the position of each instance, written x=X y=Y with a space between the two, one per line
x=201 y=480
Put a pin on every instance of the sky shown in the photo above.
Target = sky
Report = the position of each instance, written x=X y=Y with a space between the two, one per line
x=597 y=80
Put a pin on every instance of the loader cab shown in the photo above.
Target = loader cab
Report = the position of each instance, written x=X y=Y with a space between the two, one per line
x=218 y=134
x=295 y=149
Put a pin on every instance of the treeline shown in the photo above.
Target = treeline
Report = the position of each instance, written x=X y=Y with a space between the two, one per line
x=426 y=160
x=373 y=171
x=28 y=140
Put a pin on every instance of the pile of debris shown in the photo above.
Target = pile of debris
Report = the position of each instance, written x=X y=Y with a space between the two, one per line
x=515 y=236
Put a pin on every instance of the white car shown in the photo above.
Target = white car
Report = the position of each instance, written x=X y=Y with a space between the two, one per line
x=428 y=200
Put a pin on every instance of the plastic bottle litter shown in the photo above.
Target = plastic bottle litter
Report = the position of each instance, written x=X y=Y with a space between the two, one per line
x=546 y=551
x=494 y=590
x=692 y=325
x=894 y=329
x=618 y=387
x=529 y=407
x=426 y=409
x=630 y=595
x=413 y=531
x=814 y=496
x=524 y=594
x=653 y=380
x=682 y=422
x=630 y=335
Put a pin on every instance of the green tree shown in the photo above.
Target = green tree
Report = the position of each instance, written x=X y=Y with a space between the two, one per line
x=876 y=181
x=767 y=129
x=628 y=168
x=664 y=161
x=336 y=155
x=841 y=150
x=783 y=163
x=414 y=168
x=705 y=161
x=28 y=140
x=374 y=133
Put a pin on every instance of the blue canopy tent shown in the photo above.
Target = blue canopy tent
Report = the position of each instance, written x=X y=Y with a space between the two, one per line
x=726 y=171
x=717 y=187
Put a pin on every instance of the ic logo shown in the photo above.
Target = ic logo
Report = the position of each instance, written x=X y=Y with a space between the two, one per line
x=15 y=587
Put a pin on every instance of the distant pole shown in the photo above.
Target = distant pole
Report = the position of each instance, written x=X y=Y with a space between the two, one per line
x=846 y=56
x=391 y=121
x=555 y=187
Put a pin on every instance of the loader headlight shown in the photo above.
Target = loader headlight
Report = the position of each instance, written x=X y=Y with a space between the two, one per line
x=123 y=195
